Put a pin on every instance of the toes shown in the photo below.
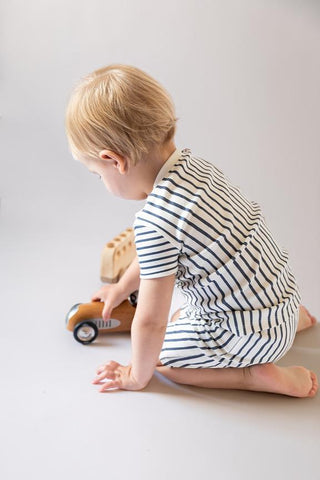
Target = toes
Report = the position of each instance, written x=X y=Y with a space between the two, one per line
x=312 y=318
x=308 y=320
x=314 y=387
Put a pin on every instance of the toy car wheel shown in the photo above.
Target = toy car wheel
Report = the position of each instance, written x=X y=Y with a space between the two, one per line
x=85 y=332
x=133 y=298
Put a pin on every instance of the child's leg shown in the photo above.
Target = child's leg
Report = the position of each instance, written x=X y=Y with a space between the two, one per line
x=292 y=381
x=306 y=320
x=175 y=316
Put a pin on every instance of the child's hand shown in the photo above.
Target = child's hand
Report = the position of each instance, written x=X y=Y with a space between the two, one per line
x=112 y=296
x=120 y=377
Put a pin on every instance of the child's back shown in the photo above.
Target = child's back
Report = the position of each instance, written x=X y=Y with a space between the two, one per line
x=237 y=282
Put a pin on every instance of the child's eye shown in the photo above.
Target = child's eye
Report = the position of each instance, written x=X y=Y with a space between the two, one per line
x=95 y=173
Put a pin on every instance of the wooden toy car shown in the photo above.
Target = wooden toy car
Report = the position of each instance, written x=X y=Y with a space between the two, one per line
x=85 y=319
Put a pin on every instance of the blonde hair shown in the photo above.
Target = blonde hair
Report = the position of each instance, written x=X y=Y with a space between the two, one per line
x=119 y=108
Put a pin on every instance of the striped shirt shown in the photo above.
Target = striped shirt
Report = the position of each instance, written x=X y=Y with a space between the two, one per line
x=199 y=226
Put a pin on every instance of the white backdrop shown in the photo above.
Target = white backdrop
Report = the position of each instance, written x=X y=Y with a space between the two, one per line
x=245 y=79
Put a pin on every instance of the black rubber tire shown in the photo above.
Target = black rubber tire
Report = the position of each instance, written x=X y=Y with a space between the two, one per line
x=77 y=330
x=133 y=298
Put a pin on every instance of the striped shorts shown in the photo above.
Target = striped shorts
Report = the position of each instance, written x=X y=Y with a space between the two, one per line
x=202 y=344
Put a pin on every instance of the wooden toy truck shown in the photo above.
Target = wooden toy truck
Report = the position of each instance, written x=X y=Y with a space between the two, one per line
x=117 y=256
x=85 y=319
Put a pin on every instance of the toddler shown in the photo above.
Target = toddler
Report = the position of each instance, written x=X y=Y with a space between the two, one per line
x=197 y=231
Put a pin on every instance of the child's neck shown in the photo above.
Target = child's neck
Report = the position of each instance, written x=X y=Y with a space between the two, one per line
x=158 y=157
x=146 y=170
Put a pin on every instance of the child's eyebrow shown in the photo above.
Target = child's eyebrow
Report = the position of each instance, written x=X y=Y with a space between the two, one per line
x=94 y=173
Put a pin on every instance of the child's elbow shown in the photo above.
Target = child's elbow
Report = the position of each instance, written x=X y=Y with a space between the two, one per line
x=151 y=323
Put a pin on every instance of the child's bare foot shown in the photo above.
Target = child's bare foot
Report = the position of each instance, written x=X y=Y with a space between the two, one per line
x=292 y=381
x=306 y=320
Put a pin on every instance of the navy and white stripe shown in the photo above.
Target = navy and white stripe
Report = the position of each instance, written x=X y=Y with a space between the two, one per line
x=157 y=257
x=204 y=344
x=199 y=226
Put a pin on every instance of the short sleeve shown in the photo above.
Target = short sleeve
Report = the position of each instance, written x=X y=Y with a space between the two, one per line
x=157 y=256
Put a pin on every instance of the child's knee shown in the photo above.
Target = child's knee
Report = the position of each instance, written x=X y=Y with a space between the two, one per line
x=175 y=316
x=167 y=372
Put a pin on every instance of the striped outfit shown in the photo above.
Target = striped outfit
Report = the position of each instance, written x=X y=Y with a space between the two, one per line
x=241 y=297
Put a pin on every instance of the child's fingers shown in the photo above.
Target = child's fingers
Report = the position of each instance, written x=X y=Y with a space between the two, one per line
x=95 y=298
x=100 y=369
x=107 y=374
x=106 y=371
x=112 y=364
x=110 y=385
x=106 y=312
x=102 y=293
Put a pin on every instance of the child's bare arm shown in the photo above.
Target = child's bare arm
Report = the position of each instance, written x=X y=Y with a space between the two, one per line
x=147 y=334
x=112 y=295
x=149 y=326
x=130 y=281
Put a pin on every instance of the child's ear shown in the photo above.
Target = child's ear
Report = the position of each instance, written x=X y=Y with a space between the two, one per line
x=118 y=161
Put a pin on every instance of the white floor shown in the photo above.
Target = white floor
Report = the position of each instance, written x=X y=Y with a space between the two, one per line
x=54 y=423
